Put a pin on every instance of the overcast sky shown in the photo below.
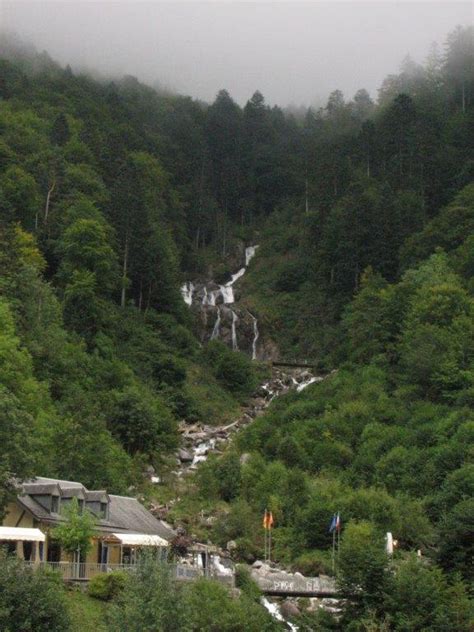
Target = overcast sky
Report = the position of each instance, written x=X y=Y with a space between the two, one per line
x=293 y=52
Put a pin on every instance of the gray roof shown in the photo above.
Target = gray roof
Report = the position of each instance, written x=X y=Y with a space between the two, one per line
x=57 y=481
x=126 y=514
x=72 y=492
x=99 y=495
x=41 y=488
x=130 y=515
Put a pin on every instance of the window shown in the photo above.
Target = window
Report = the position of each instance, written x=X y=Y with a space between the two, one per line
x=28 y=551
x=102 y=553
x=55 y=504
x=54 y=551
x=104 y=510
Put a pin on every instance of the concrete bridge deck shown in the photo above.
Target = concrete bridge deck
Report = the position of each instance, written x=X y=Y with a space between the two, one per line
x=294 y=585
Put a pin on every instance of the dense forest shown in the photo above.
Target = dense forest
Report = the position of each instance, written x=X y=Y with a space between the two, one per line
x=112 y=194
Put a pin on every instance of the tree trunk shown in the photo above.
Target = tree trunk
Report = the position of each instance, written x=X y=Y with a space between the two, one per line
x=48 y=200
x=140 y=296
x=124 y=272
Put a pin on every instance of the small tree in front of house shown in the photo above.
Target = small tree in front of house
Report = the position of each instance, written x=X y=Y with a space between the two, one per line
x=75 y=534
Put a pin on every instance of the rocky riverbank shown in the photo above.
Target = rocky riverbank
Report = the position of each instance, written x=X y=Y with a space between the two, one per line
x=199 y=440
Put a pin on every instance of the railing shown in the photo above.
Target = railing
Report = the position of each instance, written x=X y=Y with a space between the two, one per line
x=84 y=571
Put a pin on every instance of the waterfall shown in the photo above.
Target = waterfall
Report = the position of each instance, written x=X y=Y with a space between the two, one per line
x=236 y=276
x=255 y=336
x=307 y=382
x=235 y=346
x=274 y=610
x=225 y=294
x=187 y=291
x=217 y=324
x=249 y=254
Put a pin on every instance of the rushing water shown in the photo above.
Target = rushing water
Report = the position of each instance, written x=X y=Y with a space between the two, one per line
x=249 y=254
x=274 y=610
x=256 y=335
x=187 y=290
x=217 y=324
x=235 y=318
x=224 y=294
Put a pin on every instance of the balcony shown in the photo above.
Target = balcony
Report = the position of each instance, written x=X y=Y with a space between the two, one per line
x=84 y=571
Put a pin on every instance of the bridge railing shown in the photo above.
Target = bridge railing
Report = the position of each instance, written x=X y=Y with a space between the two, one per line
x=84 y=571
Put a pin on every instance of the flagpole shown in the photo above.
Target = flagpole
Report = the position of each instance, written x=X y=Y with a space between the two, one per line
x=333 y=550
x=338 y=541
x=265 y=536
x=270 y=544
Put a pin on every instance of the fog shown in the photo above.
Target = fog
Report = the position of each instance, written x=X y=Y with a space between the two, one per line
x=292 y=52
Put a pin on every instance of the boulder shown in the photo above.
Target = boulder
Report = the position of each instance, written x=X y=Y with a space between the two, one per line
x=185 y=456
x=289 y=609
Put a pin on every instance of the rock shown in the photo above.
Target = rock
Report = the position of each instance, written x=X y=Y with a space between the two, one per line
x=244 y=458
x=289 y=609
x=185 y=456
x=231 y=545
x=257 y=564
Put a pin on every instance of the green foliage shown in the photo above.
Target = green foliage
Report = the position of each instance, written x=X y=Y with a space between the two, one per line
x=75 y=533
x=142 y=422
x=152 y=602
x=86 y=612
x=106 y=586
x=418 y=598
x=149 y=601
x=233 y=370
x=31 y=600
x=16 y=437
x=210 y=607
x=362 y=563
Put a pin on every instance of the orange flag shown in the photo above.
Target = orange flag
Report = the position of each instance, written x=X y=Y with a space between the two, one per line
x=267 y=520
x=270 y=520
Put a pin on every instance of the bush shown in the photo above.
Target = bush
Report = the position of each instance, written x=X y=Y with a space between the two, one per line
x=314 y=563
x=31 y=600
x=234 y=370
x=107 y=585
x=247 y=585
x=246 y=550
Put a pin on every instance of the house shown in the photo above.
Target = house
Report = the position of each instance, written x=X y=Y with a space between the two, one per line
x=123 y=525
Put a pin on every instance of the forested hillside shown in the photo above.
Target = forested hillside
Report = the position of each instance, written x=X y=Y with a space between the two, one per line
x=112 y=194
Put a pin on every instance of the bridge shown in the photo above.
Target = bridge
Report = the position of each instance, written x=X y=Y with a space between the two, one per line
x=280 y=584
x=295 y=364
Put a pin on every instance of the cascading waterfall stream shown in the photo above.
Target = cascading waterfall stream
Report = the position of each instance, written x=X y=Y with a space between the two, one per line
x=235 y=346
x=187 y=291
x=225 y=295
x=249 y=254
x=255 y=336
x=217 y=324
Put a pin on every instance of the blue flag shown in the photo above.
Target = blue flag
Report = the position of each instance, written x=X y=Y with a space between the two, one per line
x=333 y=524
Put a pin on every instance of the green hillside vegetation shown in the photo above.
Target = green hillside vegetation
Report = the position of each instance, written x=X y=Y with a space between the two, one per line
x=99 y=357
x=112 y=194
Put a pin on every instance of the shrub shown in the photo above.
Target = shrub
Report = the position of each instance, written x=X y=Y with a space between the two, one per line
x=233 y=370
x=31 y=600
x=247 y=585
x=107 y=585
x=314 y=563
